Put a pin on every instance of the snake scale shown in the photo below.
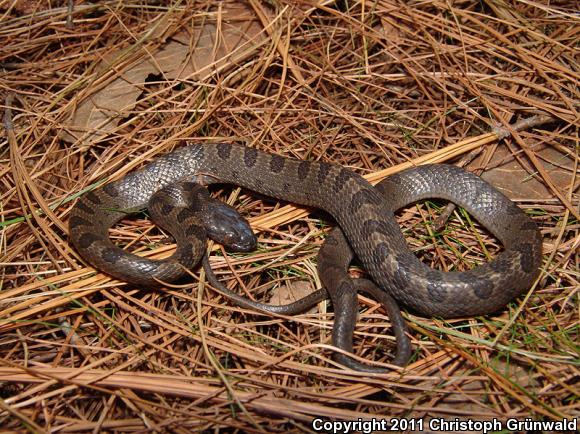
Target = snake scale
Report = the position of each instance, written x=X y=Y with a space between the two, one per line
x=364 y=213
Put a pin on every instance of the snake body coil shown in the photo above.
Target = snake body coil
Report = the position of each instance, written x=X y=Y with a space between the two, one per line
x=365 y=215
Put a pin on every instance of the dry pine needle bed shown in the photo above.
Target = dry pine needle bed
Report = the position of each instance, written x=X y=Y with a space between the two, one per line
x=92 y=91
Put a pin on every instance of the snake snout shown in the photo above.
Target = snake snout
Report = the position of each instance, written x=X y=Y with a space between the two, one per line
x=242 y=242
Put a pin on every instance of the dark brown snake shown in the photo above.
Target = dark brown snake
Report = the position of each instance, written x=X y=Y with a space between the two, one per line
x=364 y=213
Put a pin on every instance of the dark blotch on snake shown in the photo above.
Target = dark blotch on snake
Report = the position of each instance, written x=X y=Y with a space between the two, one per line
x=85 y=240
x=482 y=287
x=361 y=198
x=401 y=276
x=370 y=227
x=342 y=178
x=528 y=225
x=304 y=169
x=85 y=208
x=111 y=190
x=224 y=150
x=499 y=265
x=323 y=171
x=166 y=208
x=526 y=256
x=382 y=251
x=93 y=198
x=196 y=231
x=250 y=157
x=76 y=221
x=277 y=163
x=111 y=255
x=185 y=255
x=199 y=201
x=184 y=214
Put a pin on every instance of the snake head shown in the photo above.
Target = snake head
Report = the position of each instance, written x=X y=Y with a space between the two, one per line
x=226 y=226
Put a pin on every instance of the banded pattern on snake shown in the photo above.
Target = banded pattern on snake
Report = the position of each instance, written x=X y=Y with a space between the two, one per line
x=365 y=214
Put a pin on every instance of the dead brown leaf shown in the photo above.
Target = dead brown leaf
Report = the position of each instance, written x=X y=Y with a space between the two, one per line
x=291 y=292
x=193 y=54
x=508 y=175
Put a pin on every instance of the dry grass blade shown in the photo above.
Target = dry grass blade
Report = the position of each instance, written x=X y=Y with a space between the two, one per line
x=374 y=86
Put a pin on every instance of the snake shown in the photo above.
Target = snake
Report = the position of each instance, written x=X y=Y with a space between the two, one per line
x=364 y=213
